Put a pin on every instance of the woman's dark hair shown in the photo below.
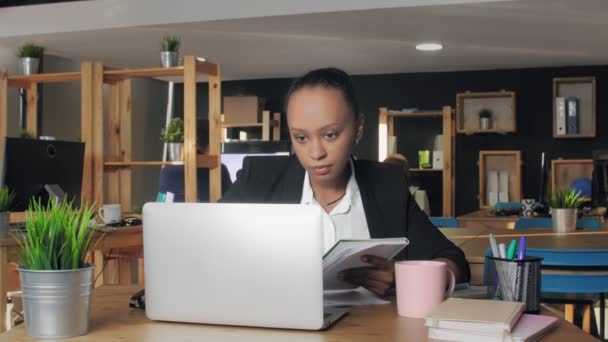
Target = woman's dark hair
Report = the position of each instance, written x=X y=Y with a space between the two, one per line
x=329 y=78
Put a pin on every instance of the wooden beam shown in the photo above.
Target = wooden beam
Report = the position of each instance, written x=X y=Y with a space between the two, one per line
x=3 y=114
x=86 y=130
x=22 y=81
x=206 y=161
x=215 y=104
x=3 y=274
x=31 y=121
x=276 y=129
x=113 y=135
x=125 y=144
x=266 y=125
x=449 y=132
x=122 y=74
x=190 y=182
x=98 y=144
x=207 y=68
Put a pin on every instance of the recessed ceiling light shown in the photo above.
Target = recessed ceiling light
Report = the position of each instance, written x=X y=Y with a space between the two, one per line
x=429 y=47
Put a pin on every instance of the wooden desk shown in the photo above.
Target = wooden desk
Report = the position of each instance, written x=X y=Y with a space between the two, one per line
x=474 y=242
x=112 y=320
x=483 y=219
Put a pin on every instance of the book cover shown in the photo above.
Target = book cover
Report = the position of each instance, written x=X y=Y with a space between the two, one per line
x=560 y=115
x=572 y=119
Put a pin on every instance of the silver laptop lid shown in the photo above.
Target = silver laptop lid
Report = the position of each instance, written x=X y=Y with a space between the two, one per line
x=235 y=264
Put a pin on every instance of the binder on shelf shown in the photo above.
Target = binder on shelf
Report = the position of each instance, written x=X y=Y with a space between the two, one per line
x=572 y=119
x=560 y=115
x=503 y=186
x=492 y=187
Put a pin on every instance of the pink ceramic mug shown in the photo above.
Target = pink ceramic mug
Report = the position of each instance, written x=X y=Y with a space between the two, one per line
x=421 y=286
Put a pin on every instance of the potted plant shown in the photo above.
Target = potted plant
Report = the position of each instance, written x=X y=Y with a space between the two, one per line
x=169 y=55
x=56 y=281
x=6 y=200
x=564 y=206
x=485 y=119
x=24 y=134
x=173 y=136
x=30 y=56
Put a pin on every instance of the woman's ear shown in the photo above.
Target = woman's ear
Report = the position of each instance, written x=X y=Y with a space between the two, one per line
x=360 y=123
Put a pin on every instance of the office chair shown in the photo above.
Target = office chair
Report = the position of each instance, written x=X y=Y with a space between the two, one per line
x=444 y=222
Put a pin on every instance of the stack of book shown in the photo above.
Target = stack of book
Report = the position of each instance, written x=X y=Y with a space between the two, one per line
x=459 y=319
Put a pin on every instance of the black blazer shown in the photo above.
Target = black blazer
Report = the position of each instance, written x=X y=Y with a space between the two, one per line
x=390 y=210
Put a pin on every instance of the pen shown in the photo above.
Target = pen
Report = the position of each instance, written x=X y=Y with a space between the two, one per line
x=502 y=250
x=511 y=249
x=521 y=249
x=494 y=246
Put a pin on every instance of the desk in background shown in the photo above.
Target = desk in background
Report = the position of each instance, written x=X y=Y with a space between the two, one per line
x=112 y=319
x=483 y=219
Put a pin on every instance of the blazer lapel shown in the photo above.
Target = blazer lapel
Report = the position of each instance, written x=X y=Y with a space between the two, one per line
x=289 y=186
x=373 y=215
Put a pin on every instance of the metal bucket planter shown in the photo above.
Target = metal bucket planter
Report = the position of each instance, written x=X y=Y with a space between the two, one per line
x=175 y=151
x=4 y=225
x=57 y=303
x=485 y=123
x=168 y=59
x=564 y=220
x=29 y=65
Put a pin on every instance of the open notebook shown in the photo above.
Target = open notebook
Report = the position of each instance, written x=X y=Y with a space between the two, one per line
x=487 y=316
x=529 y=328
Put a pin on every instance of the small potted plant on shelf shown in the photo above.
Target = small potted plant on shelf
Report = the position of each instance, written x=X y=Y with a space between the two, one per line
x=30 y=56
x=6 y=200
x=173 y=136
x=485 y=119
x=56 y=281
x=24 y=134
x=564 y=206
x=169 y=55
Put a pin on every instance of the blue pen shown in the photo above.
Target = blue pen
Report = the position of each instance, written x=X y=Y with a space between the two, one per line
x=521 y=249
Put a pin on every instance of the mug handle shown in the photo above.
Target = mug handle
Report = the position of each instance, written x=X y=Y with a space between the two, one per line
x=450 y=289
x=101 y=215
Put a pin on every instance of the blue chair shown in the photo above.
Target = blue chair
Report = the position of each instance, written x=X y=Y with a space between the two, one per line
x=553 y=281
x=546 y=222
x=444 y=222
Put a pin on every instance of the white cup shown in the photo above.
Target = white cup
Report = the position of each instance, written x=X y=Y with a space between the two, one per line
x=110 y=213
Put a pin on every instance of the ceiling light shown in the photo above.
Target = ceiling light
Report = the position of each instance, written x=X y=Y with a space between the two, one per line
x=429 y=47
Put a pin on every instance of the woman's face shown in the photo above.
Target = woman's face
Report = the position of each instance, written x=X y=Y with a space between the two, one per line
x=323 y=131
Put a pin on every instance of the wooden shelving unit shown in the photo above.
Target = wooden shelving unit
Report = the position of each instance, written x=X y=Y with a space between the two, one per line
x=565 y=171
x=502 y=104
x=497 y=161
x=386 y=129
x=582 y=88
x=267 y=125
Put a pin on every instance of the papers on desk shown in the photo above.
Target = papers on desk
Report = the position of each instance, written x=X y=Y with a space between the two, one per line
x=354 y=297
x=346 y=254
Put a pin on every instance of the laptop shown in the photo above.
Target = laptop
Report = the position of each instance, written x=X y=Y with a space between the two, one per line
x=256 y=265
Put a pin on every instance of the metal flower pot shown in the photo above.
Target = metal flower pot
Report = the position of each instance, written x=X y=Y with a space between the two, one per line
x=485 y=123
x=57 y=303
x=29 y=65
x=564 y=220
x=169 y=59
x=175 y=151
x=4 y=225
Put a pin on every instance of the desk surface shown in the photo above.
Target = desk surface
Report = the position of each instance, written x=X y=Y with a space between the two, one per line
x=111 y=319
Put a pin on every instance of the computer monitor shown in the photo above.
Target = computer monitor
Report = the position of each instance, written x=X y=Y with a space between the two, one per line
x=599 y=192
x=233 y=153
x=31 y=165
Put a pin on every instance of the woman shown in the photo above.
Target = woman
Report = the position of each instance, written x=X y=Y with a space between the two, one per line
x=360 y=199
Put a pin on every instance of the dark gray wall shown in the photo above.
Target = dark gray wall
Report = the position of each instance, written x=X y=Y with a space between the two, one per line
x=533 y=88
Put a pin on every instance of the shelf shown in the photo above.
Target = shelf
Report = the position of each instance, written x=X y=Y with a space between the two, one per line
x=509 y=161
x=202 y=161
x=426 y=170
x=120 y=74
x=502 y=104
x=242 y=125
x=422 y=114
x=21 y=81
x=583 y=88
x=565 y=171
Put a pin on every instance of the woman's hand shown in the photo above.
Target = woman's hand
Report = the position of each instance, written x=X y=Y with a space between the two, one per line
x=379 y=277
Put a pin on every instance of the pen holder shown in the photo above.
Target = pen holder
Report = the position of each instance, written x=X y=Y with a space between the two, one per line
x=515 y=281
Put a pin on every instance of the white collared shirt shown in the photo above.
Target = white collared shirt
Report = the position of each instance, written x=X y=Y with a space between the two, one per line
x=347 y=219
